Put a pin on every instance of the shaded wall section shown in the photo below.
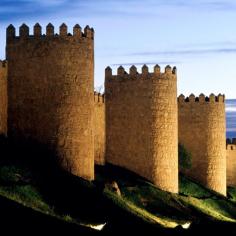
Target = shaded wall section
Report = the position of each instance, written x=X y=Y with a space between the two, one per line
x=99 y=129
x=202 y=132
x=3 y=97
x=231 y=163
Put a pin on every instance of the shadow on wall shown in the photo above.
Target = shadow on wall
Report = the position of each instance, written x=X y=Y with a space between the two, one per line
x=185 y=158
x=67 y=193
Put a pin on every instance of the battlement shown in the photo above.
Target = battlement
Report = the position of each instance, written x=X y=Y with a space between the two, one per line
x=231 y=141
x=24 y=32
x=231 y=144
x=99 y=98
x=3 y=64
x=201 y=98
x=145 y=74
x=231 y=147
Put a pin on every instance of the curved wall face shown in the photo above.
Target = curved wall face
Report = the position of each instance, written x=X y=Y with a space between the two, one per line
x=202 y=132
x=3 y=98
x=141 y=124
x=51 y=93
x=99 y=129
x=165 y=132
x=231 y=164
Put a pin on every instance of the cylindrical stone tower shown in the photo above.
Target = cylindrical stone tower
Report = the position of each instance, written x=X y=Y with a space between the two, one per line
x=141 y=123
x=202 y=132
x=50 y=90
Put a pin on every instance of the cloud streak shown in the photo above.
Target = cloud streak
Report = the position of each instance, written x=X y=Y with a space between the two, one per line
x=147 y=63
x=184 y=52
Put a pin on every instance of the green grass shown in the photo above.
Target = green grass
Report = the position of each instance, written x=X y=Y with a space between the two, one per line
x=139 y=198
x=144 y=199
x=232 y=194
x=193 y=189
x=207 y=202
x=12 y=186
x=17 y=184
x=192 y=204
x=137 y=211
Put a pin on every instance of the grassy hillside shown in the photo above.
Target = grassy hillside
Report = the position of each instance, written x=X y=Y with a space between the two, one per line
x=139 y=199
x=194 y=202
x=92 y=204
x=18 y=184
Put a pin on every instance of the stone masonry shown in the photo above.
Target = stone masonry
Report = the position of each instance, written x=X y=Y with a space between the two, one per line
x=202 y=132
x=99 y=128
x=51 y=92
x=3 y=97
x=141 y=123
x=47 y=96
x=231 y=163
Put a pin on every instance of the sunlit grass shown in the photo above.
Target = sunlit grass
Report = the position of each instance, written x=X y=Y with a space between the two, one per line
x=209 y=208
x=139 y=198
x=140 y=212
x=170 y=210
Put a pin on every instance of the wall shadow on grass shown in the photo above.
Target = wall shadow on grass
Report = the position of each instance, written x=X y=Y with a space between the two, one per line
x=67 y=193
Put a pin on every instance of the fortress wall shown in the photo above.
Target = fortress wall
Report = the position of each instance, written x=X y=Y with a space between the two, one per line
x=51 y=92
x=231 y=164
x=99 y=129
x=202 y=132
x=141 y=124
x=3 y=97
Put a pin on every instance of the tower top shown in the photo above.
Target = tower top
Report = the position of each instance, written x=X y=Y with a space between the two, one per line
x=37 y=32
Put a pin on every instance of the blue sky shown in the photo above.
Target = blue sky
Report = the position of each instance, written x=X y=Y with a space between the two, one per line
x=197 y=36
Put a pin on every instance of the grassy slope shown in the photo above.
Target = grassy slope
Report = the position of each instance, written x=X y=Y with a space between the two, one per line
x=139 y=198
x=18 y=184
x=207 y=202
x=193 y=202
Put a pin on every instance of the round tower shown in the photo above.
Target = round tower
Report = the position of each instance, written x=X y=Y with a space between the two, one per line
x=141 y=123
x=50 y=89
x=202 y=132
x=165 y=129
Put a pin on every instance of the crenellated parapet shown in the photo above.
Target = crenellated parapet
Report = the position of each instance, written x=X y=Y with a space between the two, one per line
x=231 y=141
x=133 y=73
x=99 y=98
x=201 y=98
x=3 y=64
x=231 y=144
x=24 y=32
x=231 y=147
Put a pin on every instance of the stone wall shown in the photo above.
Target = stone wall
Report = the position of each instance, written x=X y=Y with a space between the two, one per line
x=202 y=132
x=51 y=86
x=3 y=97
x=231 y=164
x=99 y=129
x=141 y=123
